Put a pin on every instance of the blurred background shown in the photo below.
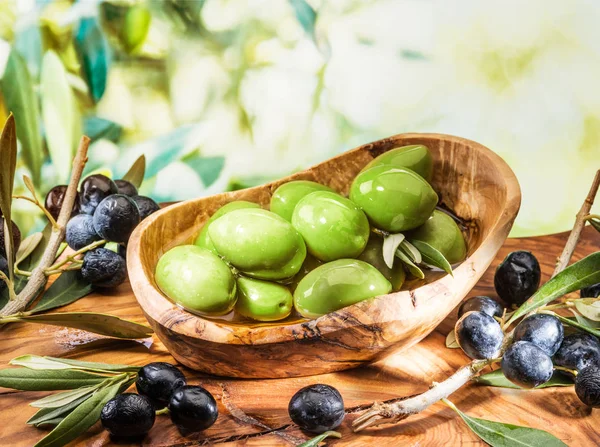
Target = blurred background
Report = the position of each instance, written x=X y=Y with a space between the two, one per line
x=226 y=94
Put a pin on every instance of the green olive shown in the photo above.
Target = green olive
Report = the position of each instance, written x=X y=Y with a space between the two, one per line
x=197 y=279
x=441 y=232
x=373 y=254
x=338 y=284
x=259 y=243
x=203 y=239
x=310 y=263
x=416 y=157
x=286 y=197
x=332 y=226
x=394 y=199
x=263 y=300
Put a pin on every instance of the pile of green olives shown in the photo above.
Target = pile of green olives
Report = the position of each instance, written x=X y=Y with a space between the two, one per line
x=315 y=251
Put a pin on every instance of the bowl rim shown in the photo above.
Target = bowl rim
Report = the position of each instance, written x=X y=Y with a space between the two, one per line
x=185 y=324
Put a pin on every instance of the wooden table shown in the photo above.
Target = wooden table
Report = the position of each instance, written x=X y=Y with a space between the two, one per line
x=254 y=412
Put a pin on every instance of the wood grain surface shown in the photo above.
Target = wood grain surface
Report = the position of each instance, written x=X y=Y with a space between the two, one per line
x=471 y=180
x=254 y=412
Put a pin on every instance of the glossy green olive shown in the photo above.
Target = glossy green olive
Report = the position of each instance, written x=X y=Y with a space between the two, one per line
x=332 y=226
x=286 y=197
x=259 y=243
x=203 y=239
x=338 y=284
x=394 y=199
x=197 y=279
x=263 y=300
x=416 y=157
x=310 y=263
x=441 y=232
x=373 y=254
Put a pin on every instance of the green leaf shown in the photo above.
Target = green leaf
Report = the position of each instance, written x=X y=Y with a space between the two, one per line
x=432 y=256
x=136 y=173
x=27 y=246
x=68 y=288
x=412 y=268
x=80 y=419
x=581 y=274
x=32 y=261
x=39 y=362
x=26 y=379
x=208 y=168
x=451 y=340
x=591 y=311
x=8 y=155
x=586 y=322
x=411 y=251
x=45 y=415
x=135 y=28
x=93 y=50
x=57 y=114
x=20 y=99
x=306 y=15
x=102 y=324
x=498 y=434
x=59 y=399
x=390 y=245
x=89 y=366
x=314 y=442
x=497 y=379
x=97 y=128
x=579 y=325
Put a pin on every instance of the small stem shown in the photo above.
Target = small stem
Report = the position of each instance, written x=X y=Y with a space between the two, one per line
x=592 y=216
x=37 y=203
x=163 y=411
x=72 y=256
x=9 y=284
x=22 y=272
x=569 y=370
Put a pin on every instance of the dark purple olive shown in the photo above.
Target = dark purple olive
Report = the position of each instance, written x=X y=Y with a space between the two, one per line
x=526 y=365
x=3 y=269
x=104 y=268
x=126 y=188
x=317 y=408
x=544 y=331
x=56 y=197
x=116 y=217
x=128 y=416
x=192 y=409
x=590 y=292
x=16 y=238
x=479 y=335
x=587 y=386
x=146 y=206
x=518 y=277
x=80 y=232
x=94 y=189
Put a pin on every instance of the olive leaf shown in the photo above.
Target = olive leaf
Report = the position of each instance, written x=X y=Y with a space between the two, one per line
x=8 y=155
x=432 y=256
x=81 y=418
x=451 y=340
x=305 y=15
x=411 y=251
x=96 y=128
x=39 y=362
x=26 y=379
x=390 y=245
x=63 y=398
x=48 y=415
x=93 y=50
x=68 y=288
x=581 y=274
x=135 y=28
x=102 y=324
x=27 y=246
x=57 y=114
x=590 y=311
x=412 y=268
x=497 y=379
x=208 y=168
x=314 y=442
x=585 y=321
x=20 y=99
x=584 y=327
x=136 y=173
x=498 y=434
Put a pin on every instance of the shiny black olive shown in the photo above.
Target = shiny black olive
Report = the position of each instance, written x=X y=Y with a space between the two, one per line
x=146 y=205
x=158 y=381
x=483 y=304
x=104 y=268
x=317 y=408
x=16 y=238
x=94 y=189
x=116 y=217
x=55 y=199
x=126 y=188
x=128 y=416
x=193 y=409
x=518 y=277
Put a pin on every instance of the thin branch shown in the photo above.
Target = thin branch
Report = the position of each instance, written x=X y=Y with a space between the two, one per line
x=72 y=256
x=38 y=278
x=580 y=221
x=37 y=203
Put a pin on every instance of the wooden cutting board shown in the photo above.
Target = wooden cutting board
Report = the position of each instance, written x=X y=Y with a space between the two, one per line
x=254 y=412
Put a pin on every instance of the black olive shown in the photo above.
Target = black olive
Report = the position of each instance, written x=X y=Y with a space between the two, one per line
x=158 y=381
x=518 y=277
x=544 y=331
x=16 y=238
x=126 y=188
x=80 y=231
x=193 y=409
x=116 y=217
x=578 y=351
x=146 y=206
x=94 y=189
x=479 y=335
x=104 y=268
x=587 y=386
x=3 y=269
x=590 y=292
x=128 y=416
x=483 y=304
x=55 y=199
x=317 y=408
x=526 y=365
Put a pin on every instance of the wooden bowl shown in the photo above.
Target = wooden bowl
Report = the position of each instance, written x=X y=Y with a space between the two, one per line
x=471 y=180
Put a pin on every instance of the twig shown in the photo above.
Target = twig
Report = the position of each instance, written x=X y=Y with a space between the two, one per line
x=72 y=256
x=37 y=203
x=38 y=278
x=582 y=215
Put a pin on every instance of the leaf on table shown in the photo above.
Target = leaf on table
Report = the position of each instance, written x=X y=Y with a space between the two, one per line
x=57 y=114
x=26 y=379
x=80 y=419
x=410 y=265
x=97 y=323
x=59 y=399
x=68 y=288
x=497 y=379
x=390 y=245
x=21 y=100
x=451 y=340
x=39 y=362
x=48 y=415
x=432 y=256
x=579 y=325
x=27 y=246
x=97 y=128
x=136 y=173
x=44 y=362
x=314 y=442
x=581 y=274
x=93 y=50
x=498 y=434
x=590 y=311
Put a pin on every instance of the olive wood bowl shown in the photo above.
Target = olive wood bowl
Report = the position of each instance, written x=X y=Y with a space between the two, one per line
x=472 y=181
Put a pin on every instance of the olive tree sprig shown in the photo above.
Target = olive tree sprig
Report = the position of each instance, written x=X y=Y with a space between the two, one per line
x=581 y=274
